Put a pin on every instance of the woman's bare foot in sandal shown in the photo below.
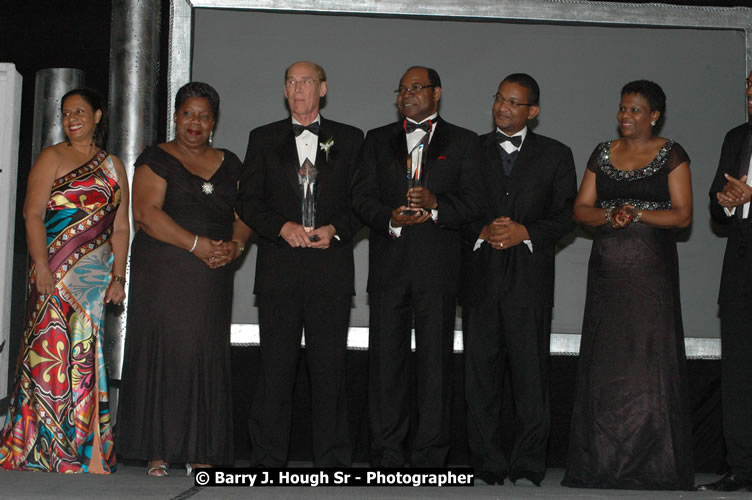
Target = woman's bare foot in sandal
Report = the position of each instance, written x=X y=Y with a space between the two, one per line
x=157 y=468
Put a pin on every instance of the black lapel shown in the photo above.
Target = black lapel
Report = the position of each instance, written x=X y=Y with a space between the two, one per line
x=287 y=153
x=323 y=160
x=399 y=151
x=525 y=164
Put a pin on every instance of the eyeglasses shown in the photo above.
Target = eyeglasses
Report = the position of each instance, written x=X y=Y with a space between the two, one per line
x=305 y=82
x=510 y=102
x=413 y=89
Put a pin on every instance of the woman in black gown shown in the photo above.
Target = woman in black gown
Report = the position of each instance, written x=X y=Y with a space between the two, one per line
x=176 y=404
x=631 y=425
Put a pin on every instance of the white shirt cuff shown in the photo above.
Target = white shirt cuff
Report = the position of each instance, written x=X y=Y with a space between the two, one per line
x=394 y=231
x=479 y=242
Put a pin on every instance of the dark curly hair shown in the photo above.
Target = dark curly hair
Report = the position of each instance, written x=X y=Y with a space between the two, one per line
x=95 y=100
x=198 y=89
x=651 y=91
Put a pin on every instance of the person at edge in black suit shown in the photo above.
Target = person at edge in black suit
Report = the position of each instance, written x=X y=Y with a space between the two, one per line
x=729 y=205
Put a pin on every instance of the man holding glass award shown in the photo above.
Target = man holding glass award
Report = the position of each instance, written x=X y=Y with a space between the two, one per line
x=295 y=194
x=416 y=186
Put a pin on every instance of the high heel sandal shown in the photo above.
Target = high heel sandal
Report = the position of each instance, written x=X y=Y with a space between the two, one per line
x=188 y=469
x=159 y=470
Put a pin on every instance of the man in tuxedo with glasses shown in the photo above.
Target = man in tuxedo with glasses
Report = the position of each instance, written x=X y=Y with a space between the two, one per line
x=417 y=184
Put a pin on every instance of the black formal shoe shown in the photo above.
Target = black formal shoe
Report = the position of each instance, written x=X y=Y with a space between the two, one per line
x=489 y=477
x=729 y=482
x=525 y=478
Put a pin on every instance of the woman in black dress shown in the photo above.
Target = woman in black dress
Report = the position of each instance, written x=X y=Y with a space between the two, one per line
x=176 y=404
x=631 y=425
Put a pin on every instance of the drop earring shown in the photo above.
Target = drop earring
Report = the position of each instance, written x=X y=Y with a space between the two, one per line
x=211 y=138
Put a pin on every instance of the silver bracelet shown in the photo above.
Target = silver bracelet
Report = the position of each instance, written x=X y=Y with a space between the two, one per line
x=638 y=217
x=195 y=242
x=608 y=216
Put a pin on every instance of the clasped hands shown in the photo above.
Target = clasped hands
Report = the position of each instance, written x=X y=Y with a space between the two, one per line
x=622 y=216
x=504 y=233
x=216 y=253
x=297 y=236
x=420 y=201
x=736 y=192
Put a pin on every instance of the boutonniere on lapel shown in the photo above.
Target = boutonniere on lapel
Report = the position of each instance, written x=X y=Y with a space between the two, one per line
x=327 y=146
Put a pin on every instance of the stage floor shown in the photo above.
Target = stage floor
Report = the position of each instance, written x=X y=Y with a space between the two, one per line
x=130 y=481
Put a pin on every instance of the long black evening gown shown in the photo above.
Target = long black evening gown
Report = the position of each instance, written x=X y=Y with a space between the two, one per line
x=631 y=425
x=176 y=397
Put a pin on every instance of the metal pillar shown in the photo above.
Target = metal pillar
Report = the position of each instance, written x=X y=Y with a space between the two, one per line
x=134 y=75
x=10 y=108
x=50 y=86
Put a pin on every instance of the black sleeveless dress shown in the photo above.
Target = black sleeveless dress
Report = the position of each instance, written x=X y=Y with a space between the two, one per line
x=631 y=425
x=176 y=397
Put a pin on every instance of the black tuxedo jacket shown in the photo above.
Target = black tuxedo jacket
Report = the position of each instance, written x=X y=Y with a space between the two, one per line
x=270 y=196
x=736 y=277
x=427 y=255
x=538 y=194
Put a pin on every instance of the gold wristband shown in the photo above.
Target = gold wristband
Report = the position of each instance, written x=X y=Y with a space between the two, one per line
x=120 y=279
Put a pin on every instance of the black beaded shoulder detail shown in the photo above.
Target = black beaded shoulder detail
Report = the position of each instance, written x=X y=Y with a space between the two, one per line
x=655 y=166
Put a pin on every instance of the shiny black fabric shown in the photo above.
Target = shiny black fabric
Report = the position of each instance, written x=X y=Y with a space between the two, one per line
x=631 y=425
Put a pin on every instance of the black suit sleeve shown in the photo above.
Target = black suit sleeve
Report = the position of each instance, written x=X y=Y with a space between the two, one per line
x=726 y=164
x=558 y=220
x=366 y=197
x=457 y=208
x=253 y=208
x=344 y=219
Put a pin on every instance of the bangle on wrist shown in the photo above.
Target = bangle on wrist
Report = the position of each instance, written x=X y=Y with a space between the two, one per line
x=638 y=216
x=195 y=242
x=120 y=279
x=609 y=212
x=241 y=246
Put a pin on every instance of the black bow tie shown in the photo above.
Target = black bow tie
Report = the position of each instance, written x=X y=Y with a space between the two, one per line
x=411 y=127
x=502 y=138
x=312 y=128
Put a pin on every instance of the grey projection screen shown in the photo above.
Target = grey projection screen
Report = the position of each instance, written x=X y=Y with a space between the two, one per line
x=581 y=53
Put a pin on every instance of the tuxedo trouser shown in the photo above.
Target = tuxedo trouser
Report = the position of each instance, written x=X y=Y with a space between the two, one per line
x=281 y=320
x=392 y=313
x=497 y=337
x=736 y=386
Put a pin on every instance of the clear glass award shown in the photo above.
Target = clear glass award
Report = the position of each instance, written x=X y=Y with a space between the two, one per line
x=416 y=170
x=308 y=175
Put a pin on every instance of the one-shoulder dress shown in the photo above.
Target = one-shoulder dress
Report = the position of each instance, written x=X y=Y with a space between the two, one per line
x=176 y=397
x=59 y=415
x=631 y=425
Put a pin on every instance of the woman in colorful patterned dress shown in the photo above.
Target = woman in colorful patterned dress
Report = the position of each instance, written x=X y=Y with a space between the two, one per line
x=77 y=229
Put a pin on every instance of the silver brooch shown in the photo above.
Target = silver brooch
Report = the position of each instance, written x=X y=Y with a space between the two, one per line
x=207 y=188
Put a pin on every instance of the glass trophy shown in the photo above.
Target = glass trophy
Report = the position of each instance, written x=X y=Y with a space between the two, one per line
x=308 y=175
x=416 y=170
